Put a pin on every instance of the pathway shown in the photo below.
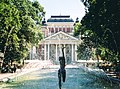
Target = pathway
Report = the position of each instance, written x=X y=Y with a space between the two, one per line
x=47 y=79
x=31 y=66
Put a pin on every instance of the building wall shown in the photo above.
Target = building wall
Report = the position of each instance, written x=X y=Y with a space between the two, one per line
x=51 y=51
x=59 y=26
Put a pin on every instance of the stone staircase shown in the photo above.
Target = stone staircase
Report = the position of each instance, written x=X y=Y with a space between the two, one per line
x=37 y=64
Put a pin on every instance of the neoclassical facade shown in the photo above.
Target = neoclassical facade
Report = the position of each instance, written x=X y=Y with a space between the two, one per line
x=58 y=32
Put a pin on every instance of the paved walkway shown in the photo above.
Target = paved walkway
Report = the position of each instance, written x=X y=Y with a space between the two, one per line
x=47 y=78
x=31 y=66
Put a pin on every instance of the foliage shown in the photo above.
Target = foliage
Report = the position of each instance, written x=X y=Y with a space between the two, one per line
x=77 y=28
x=84 y=52
x=19 y=21
x=102 y=18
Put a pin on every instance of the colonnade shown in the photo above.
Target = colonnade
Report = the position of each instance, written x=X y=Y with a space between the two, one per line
x=47 y=49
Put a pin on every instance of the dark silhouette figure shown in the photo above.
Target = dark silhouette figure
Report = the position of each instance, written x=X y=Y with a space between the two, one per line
x=62 y=71
x=62 y=60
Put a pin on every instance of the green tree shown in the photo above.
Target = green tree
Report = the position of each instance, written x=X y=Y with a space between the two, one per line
x=85 y=48
x=77 y=27
x=9 y=26
x=102 y=18
x=19 y=22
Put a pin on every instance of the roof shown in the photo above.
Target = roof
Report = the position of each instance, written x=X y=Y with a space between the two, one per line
x=60 y=35
x=60 y=18
x=60 y=38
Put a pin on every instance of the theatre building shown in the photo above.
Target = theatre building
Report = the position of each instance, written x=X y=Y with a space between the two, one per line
x=58 y=32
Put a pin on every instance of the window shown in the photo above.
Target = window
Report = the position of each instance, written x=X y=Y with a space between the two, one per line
x=63 y=29
x=56 y=30
x=52 y=30
x=60 y=29
x=68 y=29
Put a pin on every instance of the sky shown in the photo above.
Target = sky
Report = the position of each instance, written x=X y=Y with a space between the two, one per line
x=74 y=8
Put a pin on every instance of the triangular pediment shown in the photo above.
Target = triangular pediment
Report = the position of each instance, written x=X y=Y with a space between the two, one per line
x=60 y=36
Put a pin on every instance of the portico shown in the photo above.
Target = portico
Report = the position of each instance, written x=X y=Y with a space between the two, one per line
x=52 y=46
x=57 y=32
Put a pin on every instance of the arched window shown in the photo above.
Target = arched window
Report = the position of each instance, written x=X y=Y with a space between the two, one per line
x=63 y=29
x=52 y=30
x=56 y=30
x=60 y=29
x=68 y=29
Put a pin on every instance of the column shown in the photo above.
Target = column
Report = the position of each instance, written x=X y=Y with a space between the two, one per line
x=75 y=52
x=64 y=52
x=58 y=29
x=45 y=52
x=72 y=53
x=66 y=28
x=56 y=53
x=62 y=28
x=48 y=51
x=53 y=28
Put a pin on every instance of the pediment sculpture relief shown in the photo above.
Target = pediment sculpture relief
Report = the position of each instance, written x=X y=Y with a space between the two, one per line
x=60 y=37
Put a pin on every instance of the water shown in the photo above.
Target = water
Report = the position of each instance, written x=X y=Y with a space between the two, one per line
x=47 y=79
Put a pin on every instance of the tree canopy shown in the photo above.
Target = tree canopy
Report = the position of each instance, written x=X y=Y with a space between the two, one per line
x=19 y=21
x=102 y=18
